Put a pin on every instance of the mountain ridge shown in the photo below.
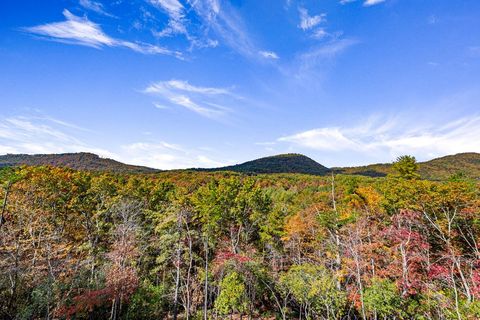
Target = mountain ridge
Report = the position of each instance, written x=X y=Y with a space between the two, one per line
x=281 y=163
x=441 y=168
x=77 y=161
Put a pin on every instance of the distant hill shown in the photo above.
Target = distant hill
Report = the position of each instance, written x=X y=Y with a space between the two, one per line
x=436 y=169
x=283 y=163
x=77 y=161
x=445 y=167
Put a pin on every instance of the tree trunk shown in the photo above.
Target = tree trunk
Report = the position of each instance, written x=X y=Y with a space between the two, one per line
x=338 y=259
x=4 y=205
x=205 y=292
x=190 y=264
x=114 y=311
x=177 y=265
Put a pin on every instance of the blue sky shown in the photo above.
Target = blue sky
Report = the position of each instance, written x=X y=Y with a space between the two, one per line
x=202 y=83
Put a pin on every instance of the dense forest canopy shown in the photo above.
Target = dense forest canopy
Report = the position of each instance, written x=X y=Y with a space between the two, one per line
x=211 y=245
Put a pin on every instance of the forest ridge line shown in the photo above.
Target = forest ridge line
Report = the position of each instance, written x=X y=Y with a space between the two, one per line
x=435 y=169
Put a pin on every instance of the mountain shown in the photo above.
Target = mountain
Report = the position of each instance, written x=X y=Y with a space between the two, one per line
x=77 y=161
x=444 y=167
x=282 y=163
x=436 y=169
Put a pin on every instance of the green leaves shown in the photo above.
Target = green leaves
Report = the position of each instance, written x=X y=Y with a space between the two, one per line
x=232 y=297
x=314 y=288
x=406 y=167
x=381 y=299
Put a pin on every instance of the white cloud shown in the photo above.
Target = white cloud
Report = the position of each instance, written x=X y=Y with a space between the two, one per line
x=311 y=25
x=160 y=106
x=369 y=3
x=204 y=101
x=45 y=135
x=81 y=31
x=307 y=63
x=308 y=22
x=185 y=86
x=42 y=135
x=176 y=23
x=166 y=156
x=366 y=3
x=328 y=50
x=174 y=27
x=393 y=137
x=192 y=106
x=95 y=7
x=269 y=55
x=173 y=7
x=320 y=33
x=322 y=139
x=227 y=24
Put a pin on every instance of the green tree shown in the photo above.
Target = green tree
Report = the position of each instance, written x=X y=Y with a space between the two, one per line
x=406 y=167
x=232 y=297
x=381 y=299
x=149 y=302
x=314 y=289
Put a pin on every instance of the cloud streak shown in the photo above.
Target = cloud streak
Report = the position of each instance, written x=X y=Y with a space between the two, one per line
x=227 y=24
x=173 y=7
x=41 y=135
x=307 y=64
x=45 y=135
x=205 y=101
x=307 y=21
x=392 y=137
x=366 y=3
x=81 y=31
x=163 y=155
x=176 y=13
x=95 y=7
x=369 y=3
x=269 y=55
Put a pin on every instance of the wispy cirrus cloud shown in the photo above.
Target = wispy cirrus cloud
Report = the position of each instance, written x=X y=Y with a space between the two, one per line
x=21 y=134
x=307 y=22
x=82 y=31
x=45 y=135
x=366 y=3
x=95 y=7
x=392 y=137
x=163 y=155
x=186 y=86
x=227 y=24
x=369 y=3
x=176 y=13
x=269 y=55
x=314 y=25
x=308 y=63
x=173 y=7
x=205 y=101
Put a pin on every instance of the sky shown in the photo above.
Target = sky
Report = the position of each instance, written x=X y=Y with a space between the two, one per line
x=205 y=83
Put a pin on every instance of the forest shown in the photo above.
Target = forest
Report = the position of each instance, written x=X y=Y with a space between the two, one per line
x=224 y=245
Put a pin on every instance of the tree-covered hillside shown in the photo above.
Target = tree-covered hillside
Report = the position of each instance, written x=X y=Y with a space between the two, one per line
x=283 y=163
x=77 y=161
x=220 y=245
x=463 y=164
x=467 y=164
